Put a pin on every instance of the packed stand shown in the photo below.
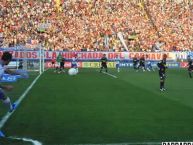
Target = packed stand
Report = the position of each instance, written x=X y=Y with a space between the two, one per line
x=97 y=25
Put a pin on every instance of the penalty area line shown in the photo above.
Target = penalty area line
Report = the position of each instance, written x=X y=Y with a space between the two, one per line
x=110 y=75
x=8 y=114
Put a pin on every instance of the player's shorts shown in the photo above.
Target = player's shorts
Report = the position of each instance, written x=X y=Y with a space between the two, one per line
x=104 y=65
x=61 y=64
x=74 y=65
x=162 y=76
x=2 y=95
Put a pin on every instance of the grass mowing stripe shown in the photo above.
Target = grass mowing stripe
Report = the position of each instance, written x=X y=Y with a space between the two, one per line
x=96 y=109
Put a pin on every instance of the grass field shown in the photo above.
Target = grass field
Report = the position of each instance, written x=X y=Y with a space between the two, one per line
x=95 y=108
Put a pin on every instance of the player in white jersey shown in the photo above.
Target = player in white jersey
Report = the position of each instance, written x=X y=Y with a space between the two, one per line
x=5 y=59
x=74 y=63
x=117 y=63
x=149 y=66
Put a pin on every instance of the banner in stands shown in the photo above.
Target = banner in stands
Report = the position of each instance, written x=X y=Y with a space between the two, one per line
x=92 y=55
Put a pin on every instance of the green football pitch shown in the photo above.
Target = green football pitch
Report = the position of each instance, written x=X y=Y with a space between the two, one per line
x=96 y=108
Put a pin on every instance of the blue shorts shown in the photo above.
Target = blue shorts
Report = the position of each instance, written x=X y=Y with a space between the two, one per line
x=74 y=66
x=2 y=95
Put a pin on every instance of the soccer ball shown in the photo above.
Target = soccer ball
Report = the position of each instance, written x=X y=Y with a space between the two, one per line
x=72 y=71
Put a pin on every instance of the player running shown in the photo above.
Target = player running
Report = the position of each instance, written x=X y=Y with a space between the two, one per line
x=135 y=63
x=142 y=63
x=149 y=66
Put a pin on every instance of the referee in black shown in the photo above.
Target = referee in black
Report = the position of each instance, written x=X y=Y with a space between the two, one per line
x=162 y=72
x=103 y=63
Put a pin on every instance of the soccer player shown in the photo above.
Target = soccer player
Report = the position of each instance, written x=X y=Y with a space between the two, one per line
x=20 y=64
x=162 y=72
x=5 y=59
x=117 y=62
x=135 y=63
x=190 y=66
x=149 y=65
x=62 y=62
x=142 y=63
x=103 y=63
x=53 y=62
x=74 y=63
x=58 y=59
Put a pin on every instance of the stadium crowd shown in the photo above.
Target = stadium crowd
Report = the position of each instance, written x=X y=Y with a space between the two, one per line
x=91 y=25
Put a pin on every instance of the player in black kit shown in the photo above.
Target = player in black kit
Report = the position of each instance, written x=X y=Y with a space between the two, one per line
x=142 y=63
x=104 y=63
x=162 y=72
x=135 y=63
x=190 y=67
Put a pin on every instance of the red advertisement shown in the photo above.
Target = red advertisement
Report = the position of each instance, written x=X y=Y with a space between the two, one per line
x=90 y=55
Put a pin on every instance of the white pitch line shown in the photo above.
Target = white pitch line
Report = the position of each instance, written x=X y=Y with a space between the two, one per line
x=110 y=75
x=35 y=142
x=8 y=114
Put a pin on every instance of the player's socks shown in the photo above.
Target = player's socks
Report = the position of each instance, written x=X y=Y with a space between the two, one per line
x=190 y=74
x=161 y=85
x=8 y=103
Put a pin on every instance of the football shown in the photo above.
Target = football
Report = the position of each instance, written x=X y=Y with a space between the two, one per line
x=72 y=71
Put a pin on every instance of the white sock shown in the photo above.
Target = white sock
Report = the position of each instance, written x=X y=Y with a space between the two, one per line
x=7 y=102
